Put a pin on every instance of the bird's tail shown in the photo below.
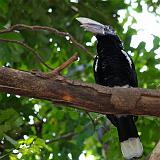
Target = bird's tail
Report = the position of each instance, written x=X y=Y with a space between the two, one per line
x=131 y=145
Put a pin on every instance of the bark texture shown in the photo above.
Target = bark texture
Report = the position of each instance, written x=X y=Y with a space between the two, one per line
x=89 y=97
x=156 y=152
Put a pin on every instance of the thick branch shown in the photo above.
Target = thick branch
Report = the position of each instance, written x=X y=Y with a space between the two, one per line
x=89 y=97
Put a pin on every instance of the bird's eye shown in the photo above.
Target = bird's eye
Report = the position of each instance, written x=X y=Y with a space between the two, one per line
x=106 y=28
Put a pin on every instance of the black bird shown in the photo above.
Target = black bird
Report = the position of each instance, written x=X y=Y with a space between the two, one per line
x=114 y=67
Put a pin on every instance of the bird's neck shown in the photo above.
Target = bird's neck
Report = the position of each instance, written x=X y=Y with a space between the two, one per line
x=108 y=44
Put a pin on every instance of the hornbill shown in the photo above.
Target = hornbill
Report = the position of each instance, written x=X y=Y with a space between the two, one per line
x=114 y=67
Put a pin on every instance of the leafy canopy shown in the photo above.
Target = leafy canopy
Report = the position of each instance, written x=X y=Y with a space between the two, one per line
x=34 y=129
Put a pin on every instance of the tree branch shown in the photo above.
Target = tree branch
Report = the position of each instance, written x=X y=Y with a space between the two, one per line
x=73 y=133
x=36 y=54
x=65 y=64
x=62 y=137
x=49 y=29
x=88 y=97
x=156 y=152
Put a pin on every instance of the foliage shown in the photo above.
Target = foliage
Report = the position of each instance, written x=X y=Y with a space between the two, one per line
x=26 y=125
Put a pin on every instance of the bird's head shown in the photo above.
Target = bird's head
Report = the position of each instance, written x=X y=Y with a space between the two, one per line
x=95 y=27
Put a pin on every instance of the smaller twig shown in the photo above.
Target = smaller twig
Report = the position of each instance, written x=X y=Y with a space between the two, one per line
x=92 y=120
x=38 y=127
x=72 y=134
x=56 y=71
x=65 y=136
x=36 y=54
x=49 y=29
x=6 y=155
x=65 y=64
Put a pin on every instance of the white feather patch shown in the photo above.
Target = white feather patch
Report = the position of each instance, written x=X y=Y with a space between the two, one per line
x=132 y=148
x=84 y=20
x=127 y=57
x=96 y=65
x=125 y=86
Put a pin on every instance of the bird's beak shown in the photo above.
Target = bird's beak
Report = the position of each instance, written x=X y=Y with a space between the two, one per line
x=91 y=25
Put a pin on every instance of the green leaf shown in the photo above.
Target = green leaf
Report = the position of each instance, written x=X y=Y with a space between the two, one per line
x=30 y=140
x=74 y=115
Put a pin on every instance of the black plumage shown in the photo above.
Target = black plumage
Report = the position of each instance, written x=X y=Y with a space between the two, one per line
x=112 y=68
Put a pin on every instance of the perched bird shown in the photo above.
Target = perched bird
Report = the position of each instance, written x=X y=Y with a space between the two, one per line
x=114 y=67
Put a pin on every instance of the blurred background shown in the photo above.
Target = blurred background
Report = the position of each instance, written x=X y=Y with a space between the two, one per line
x=32 y=129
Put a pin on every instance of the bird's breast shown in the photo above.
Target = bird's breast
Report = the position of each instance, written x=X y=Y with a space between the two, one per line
x=113 y=70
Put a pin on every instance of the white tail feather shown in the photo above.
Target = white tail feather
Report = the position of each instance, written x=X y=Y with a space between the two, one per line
x=132 y=148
